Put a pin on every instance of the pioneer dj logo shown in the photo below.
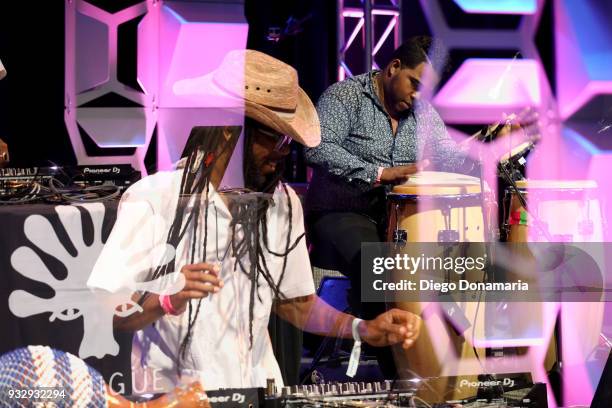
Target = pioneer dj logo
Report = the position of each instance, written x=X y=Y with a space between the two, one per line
x=506 y=382
x=228 y=400
x=103 y=170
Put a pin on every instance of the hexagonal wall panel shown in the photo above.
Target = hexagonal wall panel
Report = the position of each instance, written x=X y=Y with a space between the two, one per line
x=499 y=6
x=584 y=56
x=482 y=89
x=175 y=40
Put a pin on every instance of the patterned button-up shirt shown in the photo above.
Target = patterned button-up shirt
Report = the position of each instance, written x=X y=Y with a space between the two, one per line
x=357 y=139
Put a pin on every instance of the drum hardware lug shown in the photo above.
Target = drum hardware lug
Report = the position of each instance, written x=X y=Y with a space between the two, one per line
x=586 y=227
x=400 y=236
x=504 y=232
x=448 y=236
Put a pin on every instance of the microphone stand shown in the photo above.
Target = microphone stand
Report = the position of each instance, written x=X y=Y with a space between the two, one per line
x=508 y=178
x=489 y=235
x=490 y=238
x=546 y=234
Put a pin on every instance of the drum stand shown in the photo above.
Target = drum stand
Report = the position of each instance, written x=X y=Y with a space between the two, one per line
x=490 y=236
x=510 y=176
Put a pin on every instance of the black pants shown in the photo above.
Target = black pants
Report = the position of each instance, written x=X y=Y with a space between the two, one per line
x=337 y=238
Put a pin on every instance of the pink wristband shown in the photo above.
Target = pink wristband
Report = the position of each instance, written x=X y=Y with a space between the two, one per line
x=166 y=305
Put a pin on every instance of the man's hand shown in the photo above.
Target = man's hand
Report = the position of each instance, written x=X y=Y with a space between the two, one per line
x=392 y=327
x=510 y=126
x=200 y=280
x=527 y=121
x=399 y=174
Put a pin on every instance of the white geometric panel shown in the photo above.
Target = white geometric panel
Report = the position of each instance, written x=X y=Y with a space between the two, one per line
x=112 y=22
x=482 y=89
x=175 y=40
x=114 y=127
x=194 y=38
x=193 y=41
x=174 y=125
x=91 y=52
x=583 y=51
x=499 y=87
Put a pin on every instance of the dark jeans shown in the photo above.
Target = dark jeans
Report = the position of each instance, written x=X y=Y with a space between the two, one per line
x=336 y=238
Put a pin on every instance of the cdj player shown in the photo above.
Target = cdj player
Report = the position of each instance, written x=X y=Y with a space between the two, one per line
x=405 y=393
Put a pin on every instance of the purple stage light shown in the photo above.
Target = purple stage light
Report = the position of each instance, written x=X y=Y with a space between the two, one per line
x=498 y=6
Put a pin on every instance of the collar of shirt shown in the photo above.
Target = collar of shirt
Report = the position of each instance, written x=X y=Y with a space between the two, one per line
x=219 y=203
x=213 y=195
x=369 y=89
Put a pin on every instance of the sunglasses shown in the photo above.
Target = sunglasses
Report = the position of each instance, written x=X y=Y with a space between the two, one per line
x=280 y=139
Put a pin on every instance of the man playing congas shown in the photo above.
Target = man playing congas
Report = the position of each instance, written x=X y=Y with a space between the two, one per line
x=375 y=132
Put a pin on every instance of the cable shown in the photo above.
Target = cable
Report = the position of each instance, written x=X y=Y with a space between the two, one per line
x=84 y=195
x=422 y=401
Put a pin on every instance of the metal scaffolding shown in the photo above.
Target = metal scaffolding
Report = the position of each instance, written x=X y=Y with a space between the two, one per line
x=368 y=15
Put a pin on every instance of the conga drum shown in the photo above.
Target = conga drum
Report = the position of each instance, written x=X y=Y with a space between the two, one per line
x=435 y=207
x=568 y=211
x=563 y=211
x=516 y=156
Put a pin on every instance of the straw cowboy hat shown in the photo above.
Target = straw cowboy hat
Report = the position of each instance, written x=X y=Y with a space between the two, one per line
x=269 y=89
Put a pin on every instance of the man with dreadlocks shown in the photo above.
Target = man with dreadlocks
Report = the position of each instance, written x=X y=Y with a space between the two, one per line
x=241 y=251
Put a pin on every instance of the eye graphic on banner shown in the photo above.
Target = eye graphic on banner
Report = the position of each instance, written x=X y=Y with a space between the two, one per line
x=97 y=303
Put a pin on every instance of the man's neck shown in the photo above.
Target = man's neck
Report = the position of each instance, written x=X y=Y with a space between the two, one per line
x=380 y=90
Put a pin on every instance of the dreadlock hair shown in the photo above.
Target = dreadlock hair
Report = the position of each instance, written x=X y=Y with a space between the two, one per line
x=249 y=211
x=204 y=146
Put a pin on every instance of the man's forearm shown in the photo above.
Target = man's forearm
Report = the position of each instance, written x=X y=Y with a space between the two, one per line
x=312 y=314
x=151 y=311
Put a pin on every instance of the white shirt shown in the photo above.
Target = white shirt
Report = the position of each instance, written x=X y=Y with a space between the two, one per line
x=219 y=354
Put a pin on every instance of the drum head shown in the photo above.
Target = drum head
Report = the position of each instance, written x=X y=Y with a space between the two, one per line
x=518 y=151
x=557 y=184
x=433 y=183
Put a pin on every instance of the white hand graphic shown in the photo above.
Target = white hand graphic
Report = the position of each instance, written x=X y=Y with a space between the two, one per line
x=73 y=298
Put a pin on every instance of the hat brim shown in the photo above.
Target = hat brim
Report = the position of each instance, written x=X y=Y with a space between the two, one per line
x=302 y=125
